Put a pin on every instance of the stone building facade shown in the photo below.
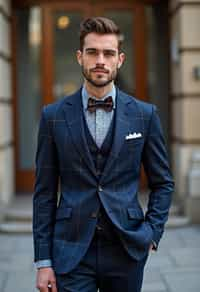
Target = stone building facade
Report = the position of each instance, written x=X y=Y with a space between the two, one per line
x=185 y=99
x=7 y=182
x=182 y=94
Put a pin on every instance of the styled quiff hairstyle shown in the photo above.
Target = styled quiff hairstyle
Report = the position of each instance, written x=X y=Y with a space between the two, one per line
x=99 y=25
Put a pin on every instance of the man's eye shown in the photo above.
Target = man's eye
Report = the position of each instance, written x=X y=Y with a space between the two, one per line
x=109 y=54
x=91 y=52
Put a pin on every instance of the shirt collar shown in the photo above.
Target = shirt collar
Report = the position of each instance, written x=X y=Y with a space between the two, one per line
x=86 y=96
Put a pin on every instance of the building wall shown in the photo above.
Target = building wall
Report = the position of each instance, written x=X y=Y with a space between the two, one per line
x=6 y=126
x=185 y=92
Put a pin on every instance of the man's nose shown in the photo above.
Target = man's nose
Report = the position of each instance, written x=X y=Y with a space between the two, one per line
x=100 y=59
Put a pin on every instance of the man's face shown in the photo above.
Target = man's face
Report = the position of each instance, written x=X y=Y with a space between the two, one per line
x=100 y=58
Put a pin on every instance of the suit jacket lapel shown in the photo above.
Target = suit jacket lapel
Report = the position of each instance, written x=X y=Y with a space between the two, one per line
x=120 y=131
x=74 y=119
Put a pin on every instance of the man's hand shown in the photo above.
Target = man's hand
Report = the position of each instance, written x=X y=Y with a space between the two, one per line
x=45 y=279
x=151 y=247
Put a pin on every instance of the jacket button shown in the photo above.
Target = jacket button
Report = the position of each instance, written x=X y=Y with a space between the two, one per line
x=100 y=189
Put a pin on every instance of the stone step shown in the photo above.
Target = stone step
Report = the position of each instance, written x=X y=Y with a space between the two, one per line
x=13 y=227
x=177 y=221
x=26 y=215
x=18 y=217
x=26 y=227
x=174 y=210
x=17 y=214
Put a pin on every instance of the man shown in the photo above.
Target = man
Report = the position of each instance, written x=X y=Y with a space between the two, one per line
x=93 y=143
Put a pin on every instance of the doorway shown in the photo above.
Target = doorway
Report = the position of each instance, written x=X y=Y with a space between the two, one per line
x=46 y=69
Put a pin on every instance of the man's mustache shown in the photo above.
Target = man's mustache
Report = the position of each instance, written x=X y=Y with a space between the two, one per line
x=99 y=69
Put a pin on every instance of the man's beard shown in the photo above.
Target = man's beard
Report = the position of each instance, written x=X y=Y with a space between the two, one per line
x=87 y=75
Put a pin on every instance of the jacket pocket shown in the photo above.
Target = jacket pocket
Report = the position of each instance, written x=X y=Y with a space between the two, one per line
x=63 y=228
x=63 y=213
x=135 y=213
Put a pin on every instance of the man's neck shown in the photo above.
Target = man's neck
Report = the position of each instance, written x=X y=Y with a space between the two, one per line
x=98 y=92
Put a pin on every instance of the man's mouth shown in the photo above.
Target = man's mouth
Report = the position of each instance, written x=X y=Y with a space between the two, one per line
x=99 y=71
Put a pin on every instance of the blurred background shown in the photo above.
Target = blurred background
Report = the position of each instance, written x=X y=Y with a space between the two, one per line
x=38 y=41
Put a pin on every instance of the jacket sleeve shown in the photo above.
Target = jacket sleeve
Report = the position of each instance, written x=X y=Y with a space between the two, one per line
x=45 y=190
x=160 y=181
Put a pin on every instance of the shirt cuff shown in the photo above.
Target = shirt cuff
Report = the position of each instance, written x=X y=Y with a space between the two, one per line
x=43 y=264
x=155 y=246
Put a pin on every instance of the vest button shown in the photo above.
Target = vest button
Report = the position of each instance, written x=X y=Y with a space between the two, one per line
x=100 y=189
x=99 y=228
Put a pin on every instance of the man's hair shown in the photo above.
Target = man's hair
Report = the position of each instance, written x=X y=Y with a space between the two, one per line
x=99 y=25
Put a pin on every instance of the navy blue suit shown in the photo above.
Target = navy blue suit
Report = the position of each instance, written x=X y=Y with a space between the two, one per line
x=64 y=230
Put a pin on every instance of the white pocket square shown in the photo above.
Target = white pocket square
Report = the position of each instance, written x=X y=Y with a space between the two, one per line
x=133 y=136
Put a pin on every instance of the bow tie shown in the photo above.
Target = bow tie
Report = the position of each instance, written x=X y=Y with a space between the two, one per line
x=106 y=104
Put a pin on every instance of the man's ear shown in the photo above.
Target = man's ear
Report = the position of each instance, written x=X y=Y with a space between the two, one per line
x=121 y=59
x=79 y=57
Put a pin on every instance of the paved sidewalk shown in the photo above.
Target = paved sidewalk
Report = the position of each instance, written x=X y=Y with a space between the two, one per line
x=174 y=268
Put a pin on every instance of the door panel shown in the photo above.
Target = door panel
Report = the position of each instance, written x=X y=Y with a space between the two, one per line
x=59 y=48
x=67 y=77
x=28 y=73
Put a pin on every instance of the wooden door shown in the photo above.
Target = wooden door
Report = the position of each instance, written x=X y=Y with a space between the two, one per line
x=59 y=72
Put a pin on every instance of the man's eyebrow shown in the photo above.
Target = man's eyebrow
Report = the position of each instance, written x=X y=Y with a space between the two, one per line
x=105 y=50
x=91 y=49
x=110 y=50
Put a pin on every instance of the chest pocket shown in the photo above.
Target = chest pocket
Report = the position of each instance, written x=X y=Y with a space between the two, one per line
x=133 y=144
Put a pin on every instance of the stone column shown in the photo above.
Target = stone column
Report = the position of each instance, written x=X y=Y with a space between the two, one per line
x=185 y=93
x=6 y=126
x=193 y=199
